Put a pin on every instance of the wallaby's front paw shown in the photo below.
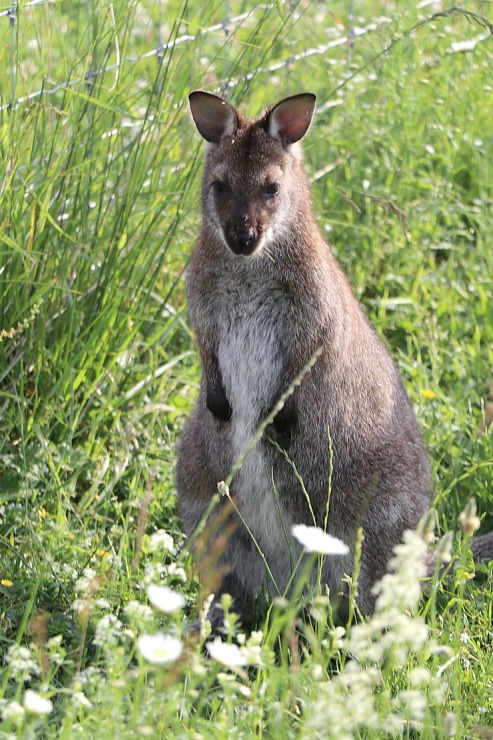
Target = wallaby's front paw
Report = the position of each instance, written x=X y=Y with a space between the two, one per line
x=218 y=404
x=284 y=423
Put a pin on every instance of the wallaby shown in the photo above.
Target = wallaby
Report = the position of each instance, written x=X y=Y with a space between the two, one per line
x=265 y=295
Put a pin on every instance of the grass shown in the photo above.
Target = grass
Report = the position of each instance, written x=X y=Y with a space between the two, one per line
x=99 y=203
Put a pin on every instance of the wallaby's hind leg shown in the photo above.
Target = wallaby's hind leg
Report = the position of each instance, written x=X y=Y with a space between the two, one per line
x=381 y=534
x=197 y=478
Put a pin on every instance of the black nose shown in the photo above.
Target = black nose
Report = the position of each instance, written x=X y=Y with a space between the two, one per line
x=242 y=239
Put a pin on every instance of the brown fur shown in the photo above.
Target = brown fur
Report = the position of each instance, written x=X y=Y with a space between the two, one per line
x=259 y=316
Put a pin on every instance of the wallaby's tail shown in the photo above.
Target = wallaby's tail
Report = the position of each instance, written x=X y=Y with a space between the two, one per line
x=482 y=547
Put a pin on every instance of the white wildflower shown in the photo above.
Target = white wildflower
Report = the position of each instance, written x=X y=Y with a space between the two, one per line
x=252 y=650
x=226 y=653
x=81 y=700
x=176 y=571
x=82 y=606
x=223 y=489
x=256 y=637
x=401 y=588
x=443 y=551
x=398 y=633
x=114 y=560
x=316 y=540
x=108 y=631
x=21 y=664
x=468 y=519
x=364 y=643
x=12 y=711
x=137 y=611
x=153 y=572
x=427 y=526
x=419 y=676
x=349 y=705
x=85 y=582
x=203 y=620
x=36 y=704
x=54 y=642
x=165 y=599
x=159 y=648
x=358 y=696
x=330 y=715
x=317 y=672
x=338 y=635
x=413 y=703
x=450 y=725
x=162 y=542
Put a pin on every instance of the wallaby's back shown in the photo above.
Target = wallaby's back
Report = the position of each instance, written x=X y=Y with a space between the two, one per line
x=265 y=295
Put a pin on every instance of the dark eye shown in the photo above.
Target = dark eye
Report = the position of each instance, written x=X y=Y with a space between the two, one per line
x=219 y=187
x=272 y=189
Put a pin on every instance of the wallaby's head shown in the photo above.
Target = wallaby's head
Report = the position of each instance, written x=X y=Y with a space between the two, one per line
x=254 y=188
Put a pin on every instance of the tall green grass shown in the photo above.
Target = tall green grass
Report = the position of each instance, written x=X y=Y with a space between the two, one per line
x=99 y=209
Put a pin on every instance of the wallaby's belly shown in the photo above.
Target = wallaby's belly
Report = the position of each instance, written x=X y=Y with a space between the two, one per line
x=253 y=350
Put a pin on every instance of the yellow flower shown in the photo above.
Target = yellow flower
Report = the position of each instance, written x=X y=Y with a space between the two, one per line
x=427 y=393
x=6 y=582
x=102 y=553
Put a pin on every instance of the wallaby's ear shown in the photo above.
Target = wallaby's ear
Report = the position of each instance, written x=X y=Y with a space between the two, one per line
x=213 y=116
x=289 y=120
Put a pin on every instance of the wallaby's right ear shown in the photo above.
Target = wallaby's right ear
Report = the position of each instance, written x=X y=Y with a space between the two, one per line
x=289 y=120
x=213 y=116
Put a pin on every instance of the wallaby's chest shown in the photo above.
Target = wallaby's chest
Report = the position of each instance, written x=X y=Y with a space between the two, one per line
x=255 y=335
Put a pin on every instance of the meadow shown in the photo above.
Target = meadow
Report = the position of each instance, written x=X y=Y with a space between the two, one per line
x=99 y=209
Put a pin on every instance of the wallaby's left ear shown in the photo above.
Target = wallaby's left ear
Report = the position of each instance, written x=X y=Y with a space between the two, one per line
x=289 y=120
x=213 y=116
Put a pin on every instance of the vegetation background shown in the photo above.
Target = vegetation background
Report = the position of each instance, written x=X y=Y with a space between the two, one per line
x=99 y=209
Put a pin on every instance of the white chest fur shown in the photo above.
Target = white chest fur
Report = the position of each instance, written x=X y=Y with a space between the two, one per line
x=253 y=349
